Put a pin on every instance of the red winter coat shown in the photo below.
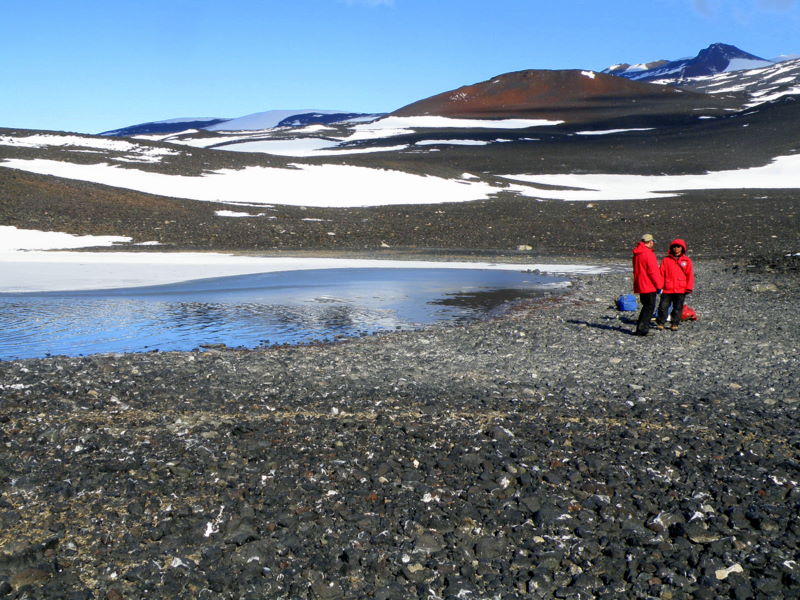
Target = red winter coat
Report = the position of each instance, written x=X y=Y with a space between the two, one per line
x=677 y=271
x=646 y=276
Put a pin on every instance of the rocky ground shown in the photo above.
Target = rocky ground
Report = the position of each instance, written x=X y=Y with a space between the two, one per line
x=731 y=224
x=545 y=454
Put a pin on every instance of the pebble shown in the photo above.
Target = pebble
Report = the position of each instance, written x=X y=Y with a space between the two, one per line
x=497 y=459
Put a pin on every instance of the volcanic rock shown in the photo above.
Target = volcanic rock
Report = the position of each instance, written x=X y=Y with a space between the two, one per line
x=565 y=95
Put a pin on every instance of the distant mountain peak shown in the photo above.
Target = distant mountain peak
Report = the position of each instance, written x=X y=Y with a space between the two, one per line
x=720 y=51
x=163 y=127
x=256 y=121
x=717 y=58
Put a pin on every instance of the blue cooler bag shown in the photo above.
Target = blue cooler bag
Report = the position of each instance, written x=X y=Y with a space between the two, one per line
x=626 y=302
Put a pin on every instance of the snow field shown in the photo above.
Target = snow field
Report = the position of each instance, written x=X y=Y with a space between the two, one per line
x=348 y=186
x=303 y=185
x=781 y=173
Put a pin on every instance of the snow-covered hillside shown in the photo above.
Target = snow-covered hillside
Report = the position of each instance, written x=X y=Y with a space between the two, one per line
x=162 y=127
x=259 y=160
x=341 y=185
x=252 y=122
x=387 y=134
x=762 y=85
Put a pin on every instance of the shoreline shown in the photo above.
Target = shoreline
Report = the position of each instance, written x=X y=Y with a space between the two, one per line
x=71 y=271
x=545 y=453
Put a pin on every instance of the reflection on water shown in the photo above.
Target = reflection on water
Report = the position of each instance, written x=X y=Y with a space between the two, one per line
x=254 y=310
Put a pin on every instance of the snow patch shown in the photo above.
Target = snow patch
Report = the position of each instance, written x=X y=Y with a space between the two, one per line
x=60 y=141
x=746 y=64
x=234 y=214
x=301 y=185
x=781 y=173
x=264 y=120
x=303 y=147
x=609 y=131
x=453 y=142
x=12 y=238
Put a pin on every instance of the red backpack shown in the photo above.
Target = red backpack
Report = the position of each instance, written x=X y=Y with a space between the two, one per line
x=688 y=314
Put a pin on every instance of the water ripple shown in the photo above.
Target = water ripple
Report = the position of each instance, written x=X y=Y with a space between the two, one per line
x=252 y=310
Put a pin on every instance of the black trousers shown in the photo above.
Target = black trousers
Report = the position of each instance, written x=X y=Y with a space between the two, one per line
x=648 y=306
x=676 y=300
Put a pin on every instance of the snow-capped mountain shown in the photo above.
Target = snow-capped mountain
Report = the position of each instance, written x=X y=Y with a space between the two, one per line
x=583 y=95
x=164 y=127
x=717 y=58
x=628 y=71
x=283 y=118
x=761 y=86
x=252 y=122
x=316 y=118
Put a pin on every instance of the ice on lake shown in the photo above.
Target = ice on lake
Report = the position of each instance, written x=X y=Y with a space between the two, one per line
x=256 y=310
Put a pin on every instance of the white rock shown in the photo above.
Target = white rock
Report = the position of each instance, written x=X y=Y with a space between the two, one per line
x=723 y=573
x=764 y=287
x=178 y=562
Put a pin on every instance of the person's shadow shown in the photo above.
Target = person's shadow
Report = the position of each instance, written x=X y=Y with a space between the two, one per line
x=619 y=328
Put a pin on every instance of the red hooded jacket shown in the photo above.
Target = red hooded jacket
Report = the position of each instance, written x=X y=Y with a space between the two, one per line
x=646 y=276
x=677 y=271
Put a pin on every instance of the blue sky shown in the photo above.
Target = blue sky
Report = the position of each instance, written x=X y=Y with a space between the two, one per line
x=94 y=65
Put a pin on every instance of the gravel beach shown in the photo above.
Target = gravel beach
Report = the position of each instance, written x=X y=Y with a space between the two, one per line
x=548 y=453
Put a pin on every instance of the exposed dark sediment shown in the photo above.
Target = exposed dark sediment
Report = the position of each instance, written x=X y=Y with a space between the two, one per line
x=548 y=453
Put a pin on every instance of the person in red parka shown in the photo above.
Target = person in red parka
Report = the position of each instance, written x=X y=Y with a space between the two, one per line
x=676 y=267
x=647 y=280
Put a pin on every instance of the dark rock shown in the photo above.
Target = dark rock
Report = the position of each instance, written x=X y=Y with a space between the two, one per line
x=428 y=543
x=383 y=467
x=458 y=587
x=490 y=548
x=393 y=591
x=767 y=585
x=547 y=516
x=30 y=576
x=326 y=590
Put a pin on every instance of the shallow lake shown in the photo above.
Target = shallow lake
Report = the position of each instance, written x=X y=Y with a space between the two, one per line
x=256 y=310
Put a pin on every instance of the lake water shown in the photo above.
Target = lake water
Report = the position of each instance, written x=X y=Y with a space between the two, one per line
x=256 y=310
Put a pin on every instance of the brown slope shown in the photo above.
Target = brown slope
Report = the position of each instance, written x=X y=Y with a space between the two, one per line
x=568 y=95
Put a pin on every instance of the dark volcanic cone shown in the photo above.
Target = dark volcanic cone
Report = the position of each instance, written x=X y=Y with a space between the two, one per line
x=571 y=96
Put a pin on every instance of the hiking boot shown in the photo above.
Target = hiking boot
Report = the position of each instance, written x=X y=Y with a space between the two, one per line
x=659 y=326
x=673 y=327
